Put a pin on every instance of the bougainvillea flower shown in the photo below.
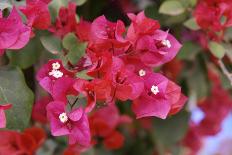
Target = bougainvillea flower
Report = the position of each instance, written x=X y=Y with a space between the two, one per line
x=2 y=114
x=219 y=102
x=1 y=52
x=10 y=36
x=62 y=88
x=83 y=30
x=27 y=142
x=141 y=25
x=74 y=124
x=159 y=98
x=173 y=69
x=66 y=22
x=50 y=72
x=214 y=17
x=175 y=97
x=103 y=123
x=9 y=142
x=125 y=84
x=108 y=34
x=39 y=112
x=95 y=90
x=71 y=151
x=114 y=141
x=37 y=14
x=158 y=49
x=100 y=63
x=136 y=65
x=211 y=124
x=31 y=139
x=193 y=140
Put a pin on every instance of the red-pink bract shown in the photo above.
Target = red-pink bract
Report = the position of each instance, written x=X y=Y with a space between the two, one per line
x=167 y=100
x=10 y=36
x=76 y=126
x=2 y=114
x=37 y=14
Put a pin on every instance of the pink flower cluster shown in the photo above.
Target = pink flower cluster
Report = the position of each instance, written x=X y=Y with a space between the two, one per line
x=214 y=16
x=215 y=109
x=27 y=142
x=120 y=63
x=14 y=34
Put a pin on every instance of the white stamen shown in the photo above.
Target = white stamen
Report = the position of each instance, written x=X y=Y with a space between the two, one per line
x=56 y=73
x=142 y=72
x=56 y=66
x=166 y=43
x=155 y=89
x=63 y=117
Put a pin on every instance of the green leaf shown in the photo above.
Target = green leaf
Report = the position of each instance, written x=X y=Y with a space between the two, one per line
x=54 y=7
x=83 y=75
x=51 y=43
x=189 y=50
x=216 y=49
x=191 y=24
x=26 y=56
x=172 y=7
x=76 y=48
x=188 y=3
x=228 y=34
x=69 y=41
x=13 y=89
x=17 y=2
x=4 y=5
x=193 y=2
x=167 y=133
x=197 y=78
x=79 y=2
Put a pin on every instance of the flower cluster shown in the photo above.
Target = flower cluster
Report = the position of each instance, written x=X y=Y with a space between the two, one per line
x=10 y=36
x=120 y=64
x=27 y=142
x=214 y=16
x=215 y=109
x=14 y=33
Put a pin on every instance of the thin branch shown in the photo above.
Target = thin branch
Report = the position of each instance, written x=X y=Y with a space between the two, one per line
x=225 y=71
x=229 y=55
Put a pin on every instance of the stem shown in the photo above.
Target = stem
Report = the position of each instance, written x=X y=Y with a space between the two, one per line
x=225 y=71
x=72 y=105
x=74 y=102
x=229 y=55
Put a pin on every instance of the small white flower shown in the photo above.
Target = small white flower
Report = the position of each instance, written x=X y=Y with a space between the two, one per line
x=56 y=73
x=155 y=89
x=56 y=66
x=142 y=72
x=63 y=117
x=166 y=43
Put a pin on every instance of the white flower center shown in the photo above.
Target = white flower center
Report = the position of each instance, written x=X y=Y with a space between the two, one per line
x=63 y=117
x=55 y=66
x=56 y=73
x=142 y=72
x=155 y=89
x=166 y=43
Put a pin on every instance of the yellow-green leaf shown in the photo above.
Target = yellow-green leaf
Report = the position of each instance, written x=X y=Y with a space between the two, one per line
x=172 y=7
